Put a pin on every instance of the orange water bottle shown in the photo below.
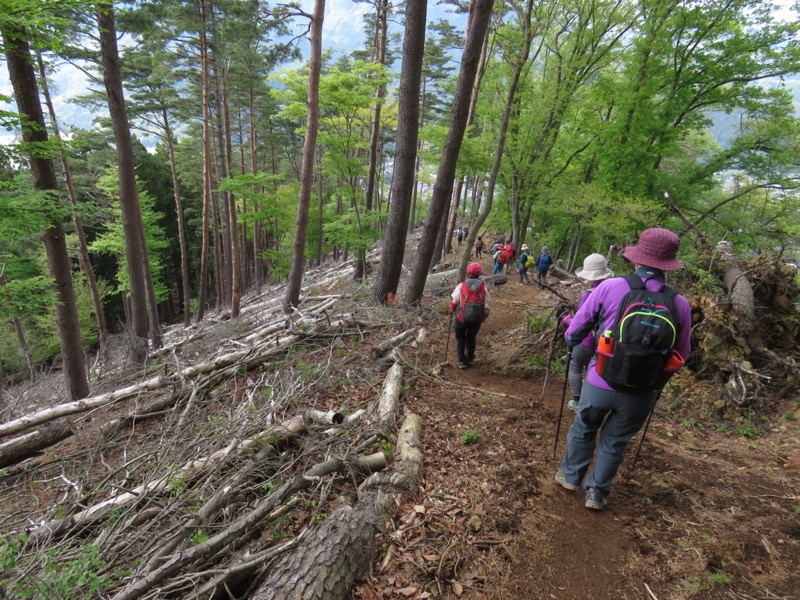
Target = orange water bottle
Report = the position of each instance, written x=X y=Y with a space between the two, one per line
x=605 y=350
x=674 y=362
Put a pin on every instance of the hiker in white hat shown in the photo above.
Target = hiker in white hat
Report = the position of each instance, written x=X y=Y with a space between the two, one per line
x=594 y=270
x=524 y=262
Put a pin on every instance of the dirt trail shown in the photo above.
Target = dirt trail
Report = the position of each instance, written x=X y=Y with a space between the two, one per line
x=703 y=515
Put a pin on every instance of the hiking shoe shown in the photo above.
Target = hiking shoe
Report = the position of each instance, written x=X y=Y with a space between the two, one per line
x=595 y=499
x=562 y=481
x=572 y=405
x=462 y=364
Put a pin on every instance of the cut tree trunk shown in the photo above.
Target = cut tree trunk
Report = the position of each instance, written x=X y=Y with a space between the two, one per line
x=740 y=291
x=331 y=558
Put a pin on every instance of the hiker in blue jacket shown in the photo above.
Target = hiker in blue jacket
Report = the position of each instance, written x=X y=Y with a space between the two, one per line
x=543 y=266
x=621 y=413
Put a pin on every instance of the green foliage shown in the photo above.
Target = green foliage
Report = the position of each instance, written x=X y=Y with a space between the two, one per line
x=32 y=296
x=719 y=578
x=693 y=424
x=691 y=586
x=62 y=574
x=749 y=431
x=199 y=537
x=469 y=436
x=387 y=447
x=112 y=240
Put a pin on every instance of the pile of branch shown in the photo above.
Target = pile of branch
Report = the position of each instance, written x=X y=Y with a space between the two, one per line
x=210 y=510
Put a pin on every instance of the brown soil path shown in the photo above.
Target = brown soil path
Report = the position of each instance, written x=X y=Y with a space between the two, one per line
x=705 y=514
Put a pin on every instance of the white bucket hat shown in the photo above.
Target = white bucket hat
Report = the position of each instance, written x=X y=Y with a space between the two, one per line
x=595 y=268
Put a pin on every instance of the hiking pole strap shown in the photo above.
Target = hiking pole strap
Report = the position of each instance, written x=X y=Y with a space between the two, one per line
x=561 y=408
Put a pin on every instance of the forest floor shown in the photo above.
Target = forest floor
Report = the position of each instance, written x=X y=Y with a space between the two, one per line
x=708 y=512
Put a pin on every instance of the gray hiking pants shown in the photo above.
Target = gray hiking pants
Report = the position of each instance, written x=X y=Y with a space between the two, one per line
x=624 y=415
x=581 y=355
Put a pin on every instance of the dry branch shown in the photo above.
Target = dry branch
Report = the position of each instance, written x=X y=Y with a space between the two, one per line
x=232 y=532
x=189 y=471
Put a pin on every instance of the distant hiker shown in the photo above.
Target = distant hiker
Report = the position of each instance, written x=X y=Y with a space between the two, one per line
x=656 y=322
x=499 y=258
x=479 y=247
x=460 y=235
x=511 y=254
x=594 y=271
x=466 y=231
x=471 y=300
x=543 y=266
x=524 y=262
x=495 y=246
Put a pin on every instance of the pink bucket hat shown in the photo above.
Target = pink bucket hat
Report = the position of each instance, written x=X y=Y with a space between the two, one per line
x=657 y=248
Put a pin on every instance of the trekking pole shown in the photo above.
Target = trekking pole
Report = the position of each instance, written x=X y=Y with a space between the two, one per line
x=563 y=396
x=550 y=358
x=449 y=331
x=644 y=433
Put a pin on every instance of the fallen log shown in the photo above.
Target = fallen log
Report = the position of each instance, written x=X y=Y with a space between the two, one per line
x=331 y=558
x=389 y=400
x=33 y=442
x=71 y=408
x=381 y=349
x=251 y=357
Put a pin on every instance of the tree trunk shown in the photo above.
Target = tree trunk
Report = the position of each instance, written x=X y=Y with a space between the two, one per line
x=381 y=18
x=23 y=80
x=236 y=273
x=320 y=207
x=388 y=277
x=447 y=168
x=201 y=304
x=258 y=265
x=83 y=247
x=498 y=157
x=187 y=316
x=292 y=297
x=142 y=293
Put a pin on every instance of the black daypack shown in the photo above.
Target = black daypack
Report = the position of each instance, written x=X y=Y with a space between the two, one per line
x=645 y=334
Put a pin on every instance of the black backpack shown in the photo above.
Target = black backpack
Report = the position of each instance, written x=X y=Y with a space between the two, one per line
x=645 y=333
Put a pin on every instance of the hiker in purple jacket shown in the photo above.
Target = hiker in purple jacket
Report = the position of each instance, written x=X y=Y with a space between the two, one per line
x=621 y=413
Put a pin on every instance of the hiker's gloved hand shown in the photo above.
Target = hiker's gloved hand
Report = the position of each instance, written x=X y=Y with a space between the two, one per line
x=561 y=311
x=453 y=307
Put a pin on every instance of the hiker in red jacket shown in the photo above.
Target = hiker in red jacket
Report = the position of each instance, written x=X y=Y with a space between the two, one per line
x=470 y=302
